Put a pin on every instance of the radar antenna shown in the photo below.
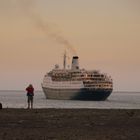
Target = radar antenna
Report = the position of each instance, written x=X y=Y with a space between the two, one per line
x=66 y=60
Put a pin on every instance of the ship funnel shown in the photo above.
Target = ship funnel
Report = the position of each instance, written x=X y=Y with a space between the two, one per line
x=75 y=63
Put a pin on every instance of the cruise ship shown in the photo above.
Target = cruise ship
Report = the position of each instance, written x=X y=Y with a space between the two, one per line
x=76 y=84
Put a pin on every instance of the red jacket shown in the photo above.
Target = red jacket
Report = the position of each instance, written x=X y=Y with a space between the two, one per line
x=30 y=91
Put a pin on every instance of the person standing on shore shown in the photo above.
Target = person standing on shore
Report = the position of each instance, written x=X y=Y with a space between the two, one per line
x=30 y=95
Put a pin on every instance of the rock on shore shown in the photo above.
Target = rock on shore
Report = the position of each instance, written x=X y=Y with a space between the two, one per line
x=69 y=124
x=0 y=105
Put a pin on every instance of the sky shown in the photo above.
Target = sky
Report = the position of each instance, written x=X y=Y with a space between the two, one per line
x=34 y=34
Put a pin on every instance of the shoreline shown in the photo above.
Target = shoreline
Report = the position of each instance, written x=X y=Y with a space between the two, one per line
x=75 y=124
x=53 y=108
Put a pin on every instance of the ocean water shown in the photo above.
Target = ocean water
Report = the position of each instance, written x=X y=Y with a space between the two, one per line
x=117 y=100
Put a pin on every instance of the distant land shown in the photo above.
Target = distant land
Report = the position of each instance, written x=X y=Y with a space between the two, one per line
x=126 y=91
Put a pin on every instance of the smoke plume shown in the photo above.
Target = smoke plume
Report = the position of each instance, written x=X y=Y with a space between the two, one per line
x=28 y=6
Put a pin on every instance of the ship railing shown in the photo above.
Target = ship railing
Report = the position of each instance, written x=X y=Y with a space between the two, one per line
x=94 y=88
x=98 y=85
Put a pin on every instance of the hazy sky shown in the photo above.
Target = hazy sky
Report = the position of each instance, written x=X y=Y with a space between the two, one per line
x=34 y=34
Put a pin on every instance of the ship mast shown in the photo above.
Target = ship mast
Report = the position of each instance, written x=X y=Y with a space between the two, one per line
x=64 y=62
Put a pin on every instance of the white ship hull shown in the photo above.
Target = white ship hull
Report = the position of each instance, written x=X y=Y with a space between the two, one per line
x=77 y=94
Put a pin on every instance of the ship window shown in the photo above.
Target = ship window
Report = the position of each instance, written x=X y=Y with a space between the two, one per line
x=96 y=75
x=102 y=75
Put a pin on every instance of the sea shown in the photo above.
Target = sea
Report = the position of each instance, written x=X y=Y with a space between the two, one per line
x=117 y=100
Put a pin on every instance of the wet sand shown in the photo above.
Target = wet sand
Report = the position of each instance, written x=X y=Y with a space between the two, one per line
x=69 y=124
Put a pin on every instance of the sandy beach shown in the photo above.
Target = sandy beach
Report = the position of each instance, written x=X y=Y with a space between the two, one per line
x=69 y=124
